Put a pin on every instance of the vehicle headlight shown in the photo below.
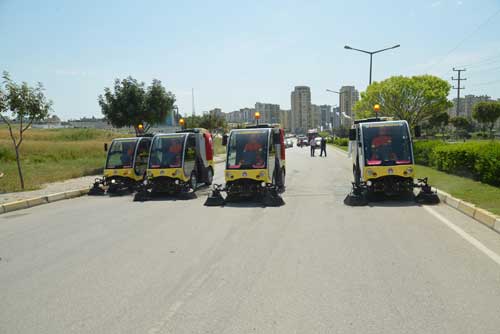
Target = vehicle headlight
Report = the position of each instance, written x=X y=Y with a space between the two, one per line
x=370 y=172
x=229 y=175
x=113 y=181
x=390 y=171
x=263 y=184
x=368 y=183
x=409 y=170
x=176 y=181
x=262 y=174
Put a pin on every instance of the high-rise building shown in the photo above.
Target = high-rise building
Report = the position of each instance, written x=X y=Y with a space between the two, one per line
x=286 y=119
x=269 y=113
x=466 y=104
x=301 y=119
x=325 y=116
x=348 y=97
x=315 y=117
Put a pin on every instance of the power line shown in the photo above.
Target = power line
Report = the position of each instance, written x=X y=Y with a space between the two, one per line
x=466 y=38
x=486 y=83
x=458 y=88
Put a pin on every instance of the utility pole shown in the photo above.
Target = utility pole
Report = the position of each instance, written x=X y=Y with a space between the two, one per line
x=458 y=88
x=192 y=100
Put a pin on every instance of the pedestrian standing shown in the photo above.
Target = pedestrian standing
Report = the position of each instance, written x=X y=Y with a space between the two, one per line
x=312 y=143
x=323 y=147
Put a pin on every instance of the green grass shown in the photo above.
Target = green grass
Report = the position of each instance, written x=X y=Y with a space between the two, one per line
x=49 y=155
x=218 y=148
x=480 y=194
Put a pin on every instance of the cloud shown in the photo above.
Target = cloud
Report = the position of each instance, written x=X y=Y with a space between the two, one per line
x=436 y=4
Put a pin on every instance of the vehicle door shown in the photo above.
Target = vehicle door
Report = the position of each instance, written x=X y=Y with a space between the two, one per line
x=271 y=154
x=142 y=156
x=189 y=154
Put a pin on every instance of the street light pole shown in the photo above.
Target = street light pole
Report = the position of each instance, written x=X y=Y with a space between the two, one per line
x=371 y=53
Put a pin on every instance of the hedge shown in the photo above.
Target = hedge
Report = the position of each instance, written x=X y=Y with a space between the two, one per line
x=341 y=141
x=478 y=160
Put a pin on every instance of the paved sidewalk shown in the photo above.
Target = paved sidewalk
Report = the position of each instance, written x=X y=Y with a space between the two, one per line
x=50 y=188
x=61 y=186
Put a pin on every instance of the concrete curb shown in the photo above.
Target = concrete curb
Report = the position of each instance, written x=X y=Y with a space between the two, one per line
x=31 y=202
x=480 y=215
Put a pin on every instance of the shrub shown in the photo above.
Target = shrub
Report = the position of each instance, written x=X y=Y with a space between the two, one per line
x=487 y=164
x=341 y=141
x=478 y=160
x=422 y=151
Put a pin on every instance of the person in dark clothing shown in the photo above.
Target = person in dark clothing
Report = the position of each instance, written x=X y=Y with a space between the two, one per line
x=323 y=147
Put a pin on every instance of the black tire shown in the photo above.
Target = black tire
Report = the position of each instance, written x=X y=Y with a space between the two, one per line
x=193 y=180
x=210 y=176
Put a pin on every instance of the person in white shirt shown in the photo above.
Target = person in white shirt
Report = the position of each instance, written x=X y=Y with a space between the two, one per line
x=312 y=142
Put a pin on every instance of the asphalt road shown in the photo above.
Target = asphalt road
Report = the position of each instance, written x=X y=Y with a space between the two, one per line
x=110 y=265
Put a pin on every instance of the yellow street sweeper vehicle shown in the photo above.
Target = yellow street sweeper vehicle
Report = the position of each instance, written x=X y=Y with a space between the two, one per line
x=125 y=168
x=255 y=166
x=178 y=162
x=383 y=162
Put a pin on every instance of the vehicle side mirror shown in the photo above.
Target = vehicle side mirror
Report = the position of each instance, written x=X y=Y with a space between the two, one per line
x=352 y=134
x=224 y=140
x=418 y=131
x=105 y=147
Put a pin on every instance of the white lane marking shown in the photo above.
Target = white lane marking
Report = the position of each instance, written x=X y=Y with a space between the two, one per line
x=473 y=241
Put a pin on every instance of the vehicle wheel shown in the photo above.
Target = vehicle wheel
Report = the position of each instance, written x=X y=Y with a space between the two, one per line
x=193 y=181
x=210 y=176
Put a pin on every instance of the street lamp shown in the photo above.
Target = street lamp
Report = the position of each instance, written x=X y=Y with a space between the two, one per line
x=371 y=53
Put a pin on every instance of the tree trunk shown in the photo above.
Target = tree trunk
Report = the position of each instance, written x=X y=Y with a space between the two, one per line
x=19 y=168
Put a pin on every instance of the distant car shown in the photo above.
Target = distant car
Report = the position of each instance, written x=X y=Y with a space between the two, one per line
x=302 y=141
x=288 y=143
x=317 y=140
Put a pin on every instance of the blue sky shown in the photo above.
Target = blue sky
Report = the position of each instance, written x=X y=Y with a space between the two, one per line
x=235 y=53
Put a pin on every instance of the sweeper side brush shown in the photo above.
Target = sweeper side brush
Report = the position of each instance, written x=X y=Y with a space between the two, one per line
x=215 y=198
x=98 y=188
x=357 y=197
x=426 y=195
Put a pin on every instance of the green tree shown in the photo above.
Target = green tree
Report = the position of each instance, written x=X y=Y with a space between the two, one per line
x=462 y=126
x=212 y=122
x=131 y=104
x=487 y=113
x=439 y=121
x=413 y=99
x=26 y=105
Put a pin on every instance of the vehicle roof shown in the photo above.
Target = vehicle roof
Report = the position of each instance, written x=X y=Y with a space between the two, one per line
x=381 y=123
x=126 y=138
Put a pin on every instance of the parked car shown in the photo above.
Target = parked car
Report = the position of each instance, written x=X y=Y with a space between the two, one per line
x=317 y=140
x=288 y=143
x=302 y=141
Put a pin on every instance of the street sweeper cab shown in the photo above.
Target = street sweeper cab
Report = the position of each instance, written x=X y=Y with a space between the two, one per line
x=125 y=168
x=255 y=166
x=178 y=162
x=383 y=162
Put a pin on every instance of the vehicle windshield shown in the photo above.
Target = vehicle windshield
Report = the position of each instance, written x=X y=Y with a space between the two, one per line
x=247 y=149
x=386 y=144
x=121 y=154
x=166 y=151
